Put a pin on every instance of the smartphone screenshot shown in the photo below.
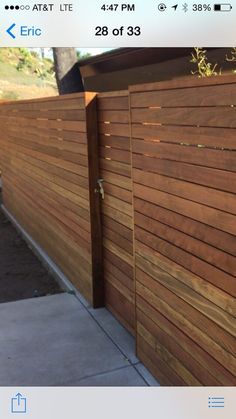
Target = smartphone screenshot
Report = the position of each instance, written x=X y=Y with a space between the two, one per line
x=117 y=209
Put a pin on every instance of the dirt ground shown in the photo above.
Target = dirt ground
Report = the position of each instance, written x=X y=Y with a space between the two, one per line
x=21 y=273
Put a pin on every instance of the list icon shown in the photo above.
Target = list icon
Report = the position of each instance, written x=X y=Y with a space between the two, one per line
x=216 y=402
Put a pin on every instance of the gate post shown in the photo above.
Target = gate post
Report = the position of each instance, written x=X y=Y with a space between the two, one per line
x=94 y=197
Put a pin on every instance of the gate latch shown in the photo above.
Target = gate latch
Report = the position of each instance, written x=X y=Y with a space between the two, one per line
x=101 y=189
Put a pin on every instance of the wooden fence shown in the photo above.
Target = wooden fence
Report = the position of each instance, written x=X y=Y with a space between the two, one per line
x=184 y=164
x=50 y=171
x=162 y=258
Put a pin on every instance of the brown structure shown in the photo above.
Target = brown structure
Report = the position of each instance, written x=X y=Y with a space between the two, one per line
x=50 y=165
x=167 y=158
x=184 y=164
x=120 y=68
x=117 y=208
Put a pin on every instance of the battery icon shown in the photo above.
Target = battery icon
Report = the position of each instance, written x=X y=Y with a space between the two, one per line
x=223 y=7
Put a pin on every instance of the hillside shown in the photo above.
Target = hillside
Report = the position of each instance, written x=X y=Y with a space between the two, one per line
x=25 y=75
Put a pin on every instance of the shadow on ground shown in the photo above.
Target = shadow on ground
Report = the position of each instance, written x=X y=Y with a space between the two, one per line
x=21 y=274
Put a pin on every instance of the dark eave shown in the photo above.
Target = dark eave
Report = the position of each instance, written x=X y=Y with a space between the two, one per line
x=124 y=58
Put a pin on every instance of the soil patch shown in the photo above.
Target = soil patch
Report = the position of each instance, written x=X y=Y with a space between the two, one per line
x=21 y=274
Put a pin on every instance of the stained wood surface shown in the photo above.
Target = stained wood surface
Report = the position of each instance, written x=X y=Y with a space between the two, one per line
x=50 y=173
x=163 y=253
x=184 y=164
x=117 y=207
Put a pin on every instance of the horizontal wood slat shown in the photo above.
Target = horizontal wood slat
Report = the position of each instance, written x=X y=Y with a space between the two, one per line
x=203 y=117
x=223 y=95
x=208 y=137
x=184 y=82
x=219 y=159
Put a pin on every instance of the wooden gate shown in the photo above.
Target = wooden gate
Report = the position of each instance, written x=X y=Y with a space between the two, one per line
x=117 y=207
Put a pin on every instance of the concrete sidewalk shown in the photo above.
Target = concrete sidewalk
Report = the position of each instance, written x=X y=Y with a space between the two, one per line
x=60 y=341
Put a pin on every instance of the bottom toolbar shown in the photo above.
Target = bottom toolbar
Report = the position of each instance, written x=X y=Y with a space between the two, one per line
x=117 y=402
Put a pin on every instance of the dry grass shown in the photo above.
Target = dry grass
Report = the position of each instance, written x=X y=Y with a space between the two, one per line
x=14 y=91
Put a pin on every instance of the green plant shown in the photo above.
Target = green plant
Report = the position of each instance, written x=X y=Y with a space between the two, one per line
x=25 y=59
x=204 y=68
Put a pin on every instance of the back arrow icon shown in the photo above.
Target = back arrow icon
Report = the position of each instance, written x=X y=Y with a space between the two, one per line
x=9 y=31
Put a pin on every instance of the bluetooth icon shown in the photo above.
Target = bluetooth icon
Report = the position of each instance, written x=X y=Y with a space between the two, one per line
x=185 y=7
